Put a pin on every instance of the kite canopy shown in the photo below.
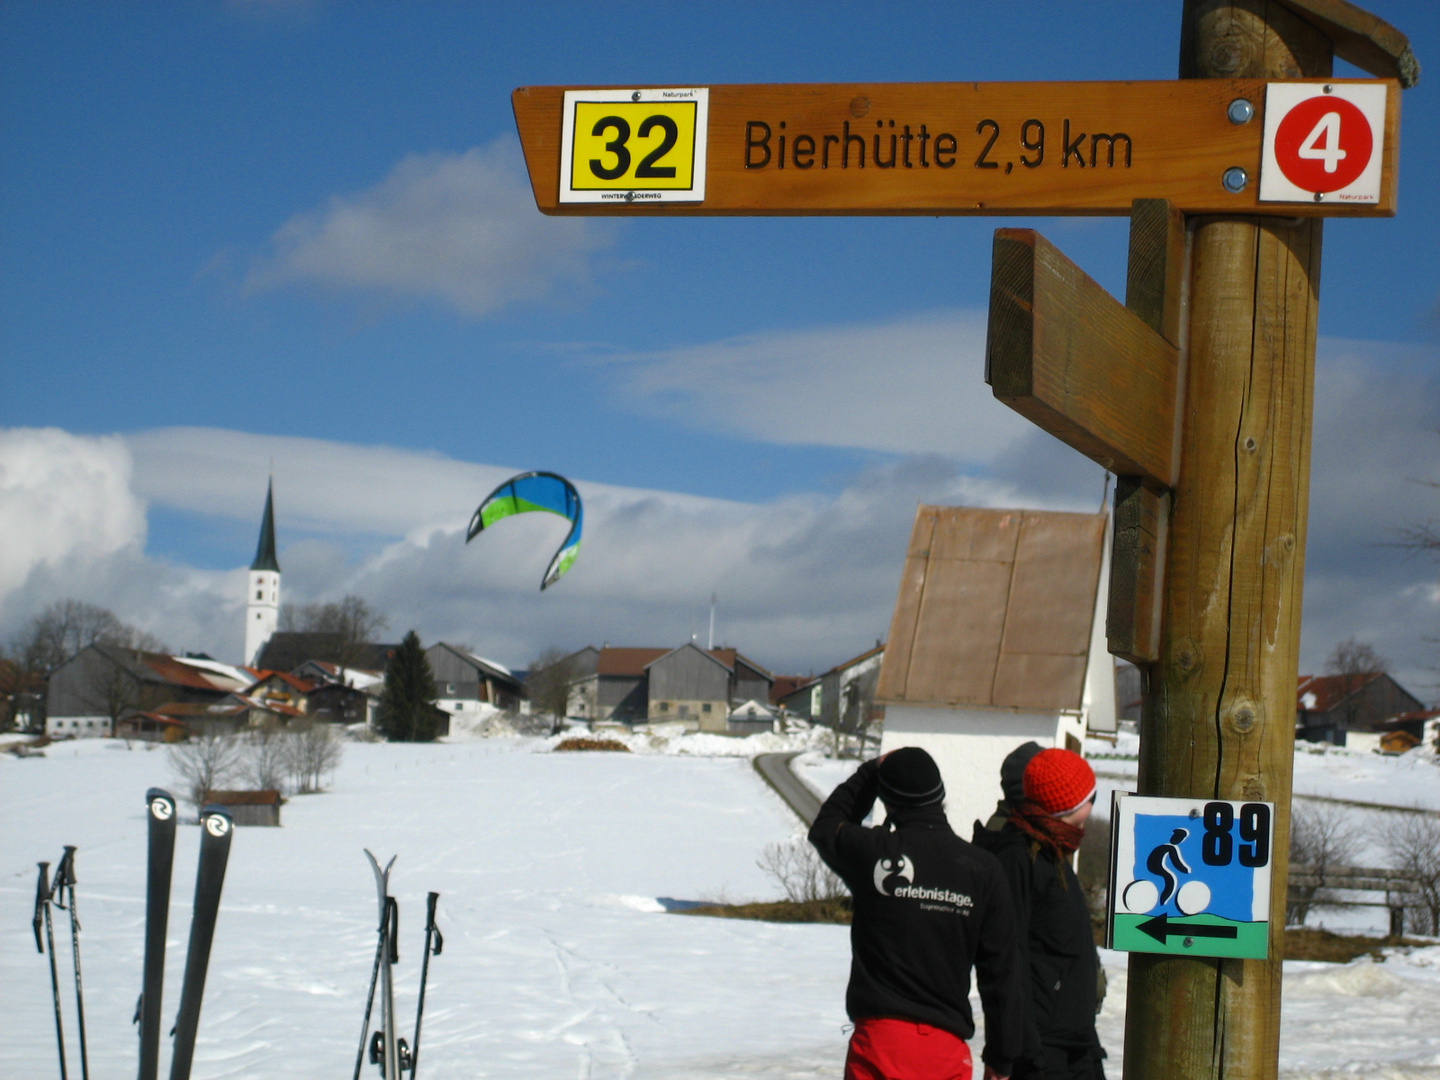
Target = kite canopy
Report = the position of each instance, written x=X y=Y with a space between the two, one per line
x=535 y=491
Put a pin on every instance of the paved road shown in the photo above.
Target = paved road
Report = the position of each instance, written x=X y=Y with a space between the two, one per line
x=775 y=769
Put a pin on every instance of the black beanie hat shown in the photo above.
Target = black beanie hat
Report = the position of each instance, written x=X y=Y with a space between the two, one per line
x=1012 y=772
x=909 y=777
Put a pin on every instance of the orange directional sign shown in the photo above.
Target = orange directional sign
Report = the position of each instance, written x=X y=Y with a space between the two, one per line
x=960 y=148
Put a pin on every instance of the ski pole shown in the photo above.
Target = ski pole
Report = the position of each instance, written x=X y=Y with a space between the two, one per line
x=42 y=911
x=370 y=997
x=65 y=881
x=434 y=942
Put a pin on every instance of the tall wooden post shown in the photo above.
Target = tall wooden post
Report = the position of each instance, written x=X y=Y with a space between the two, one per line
x=1219 y=711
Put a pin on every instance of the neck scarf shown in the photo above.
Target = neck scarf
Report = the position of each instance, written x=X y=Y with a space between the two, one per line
x=1050 y=832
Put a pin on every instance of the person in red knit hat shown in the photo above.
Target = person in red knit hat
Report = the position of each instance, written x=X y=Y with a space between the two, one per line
x=1035 y=844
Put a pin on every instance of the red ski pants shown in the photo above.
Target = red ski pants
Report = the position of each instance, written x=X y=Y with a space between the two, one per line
x=884 y=1049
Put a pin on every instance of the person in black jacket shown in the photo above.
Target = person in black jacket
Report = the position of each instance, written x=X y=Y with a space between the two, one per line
x=927 y=906
x=1035 y=838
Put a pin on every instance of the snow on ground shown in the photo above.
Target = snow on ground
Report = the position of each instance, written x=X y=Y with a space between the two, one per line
x=676 y=739
x=1411 y=779
x=1362 y=1019
x=559 y=960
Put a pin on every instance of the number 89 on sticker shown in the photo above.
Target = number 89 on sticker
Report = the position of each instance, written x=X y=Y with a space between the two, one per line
x=634 y=146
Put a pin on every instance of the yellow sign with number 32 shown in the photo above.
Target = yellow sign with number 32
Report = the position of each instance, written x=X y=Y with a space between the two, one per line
x=634 y=145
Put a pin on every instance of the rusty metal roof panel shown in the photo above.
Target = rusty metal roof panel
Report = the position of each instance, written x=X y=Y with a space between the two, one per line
x=995 y=609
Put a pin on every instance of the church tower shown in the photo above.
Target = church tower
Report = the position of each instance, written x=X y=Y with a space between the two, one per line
x=262 y=602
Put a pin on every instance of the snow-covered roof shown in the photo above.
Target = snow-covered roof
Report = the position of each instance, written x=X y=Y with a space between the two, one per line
x=751 y=710
x=491 y=663
x=240 y=676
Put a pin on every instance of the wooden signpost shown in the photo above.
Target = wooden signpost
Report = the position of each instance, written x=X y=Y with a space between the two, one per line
x=1050 y=148
x=1197 y=390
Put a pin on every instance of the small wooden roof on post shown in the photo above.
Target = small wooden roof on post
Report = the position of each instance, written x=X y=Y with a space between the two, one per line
x=995 y=610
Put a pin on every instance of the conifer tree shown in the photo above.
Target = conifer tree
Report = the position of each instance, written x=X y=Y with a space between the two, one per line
x=408 y=712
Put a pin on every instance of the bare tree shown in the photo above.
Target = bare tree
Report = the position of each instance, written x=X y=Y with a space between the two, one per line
x=266 y=758
x=1413 y=845
x=1355 y=663
x=205 y=764
x=548 y=685
x=798 y=869
x=312 y=751
x=1322 y=838
x=67 y=626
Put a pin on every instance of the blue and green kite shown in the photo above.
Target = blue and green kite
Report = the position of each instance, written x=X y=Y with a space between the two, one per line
x=535 y=491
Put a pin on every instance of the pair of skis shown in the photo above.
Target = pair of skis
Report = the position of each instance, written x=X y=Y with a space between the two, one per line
x=216 y=831
x=53 y=892
x=387 y=1049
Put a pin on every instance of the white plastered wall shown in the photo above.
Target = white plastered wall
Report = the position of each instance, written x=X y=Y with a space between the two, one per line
x=1098 y=697
x=969 y=746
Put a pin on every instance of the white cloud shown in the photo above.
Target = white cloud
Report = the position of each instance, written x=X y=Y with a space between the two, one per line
x=63 y=498
x=803 y=581
x=912 y=385
x=462 y=228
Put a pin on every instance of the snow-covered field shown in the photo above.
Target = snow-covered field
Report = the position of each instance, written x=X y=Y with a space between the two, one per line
x=1331 y=772
x=559 y=958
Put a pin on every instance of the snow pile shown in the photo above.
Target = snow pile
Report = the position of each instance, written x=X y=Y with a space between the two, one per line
x=676 y=740
x=491 y=722
x=1364 y=1018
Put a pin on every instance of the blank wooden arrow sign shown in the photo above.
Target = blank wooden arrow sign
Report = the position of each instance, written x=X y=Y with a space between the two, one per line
x=1103 y=377
x=1075 y=361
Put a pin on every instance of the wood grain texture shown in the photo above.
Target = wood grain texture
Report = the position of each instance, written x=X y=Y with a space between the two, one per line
x=1068 y=356
x=1365 y=40
x=1154 y=288
x=1132 y=617
x=1156 y=266
x=1219 y=721
x=1180 y=139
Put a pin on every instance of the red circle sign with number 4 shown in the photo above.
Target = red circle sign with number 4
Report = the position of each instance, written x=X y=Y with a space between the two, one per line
x=1323 y=144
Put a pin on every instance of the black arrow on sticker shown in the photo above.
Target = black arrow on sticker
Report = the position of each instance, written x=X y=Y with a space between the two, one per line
x=1159 y=928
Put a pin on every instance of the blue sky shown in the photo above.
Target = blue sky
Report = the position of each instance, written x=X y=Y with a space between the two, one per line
x=181 y=187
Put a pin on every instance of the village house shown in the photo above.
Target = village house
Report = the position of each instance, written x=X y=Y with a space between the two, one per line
x=90 y=692
x=695 y=685
x=1349 y=709
x=464 y=682
x=341 y=695
x=843 y=697
x=610 y=684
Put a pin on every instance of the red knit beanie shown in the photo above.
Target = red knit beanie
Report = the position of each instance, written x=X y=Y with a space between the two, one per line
x=1059 y=781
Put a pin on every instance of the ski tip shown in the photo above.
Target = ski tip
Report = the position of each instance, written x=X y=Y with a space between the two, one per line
x=375 y=863
x=160 y=803
x=217 y=820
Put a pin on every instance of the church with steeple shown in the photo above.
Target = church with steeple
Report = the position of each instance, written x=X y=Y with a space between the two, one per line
x=262 y=601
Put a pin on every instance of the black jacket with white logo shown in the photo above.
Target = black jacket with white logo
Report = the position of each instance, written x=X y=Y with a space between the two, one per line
x=928 y=906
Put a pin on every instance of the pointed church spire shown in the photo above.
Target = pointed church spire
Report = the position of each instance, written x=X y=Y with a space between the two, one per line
x=265 y=551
